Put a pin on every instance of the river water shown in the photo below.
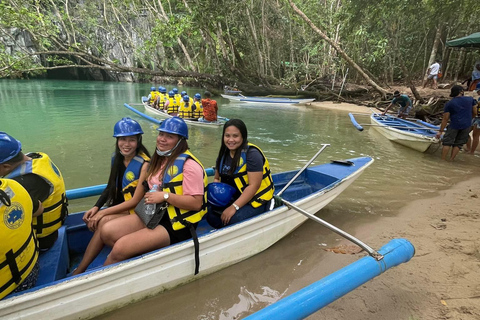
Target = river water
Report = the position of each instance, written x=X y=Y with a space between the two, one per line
x=72 y=121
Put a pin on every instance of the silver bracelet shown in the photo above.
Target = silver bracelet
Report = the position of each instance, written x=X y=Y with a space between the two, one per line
x=235 y=206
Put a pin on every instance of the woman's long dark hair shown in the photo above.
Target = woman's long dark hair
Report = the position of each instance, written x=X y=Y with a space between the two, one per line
x=116 y=168
x=157 y=160
x=240 y=125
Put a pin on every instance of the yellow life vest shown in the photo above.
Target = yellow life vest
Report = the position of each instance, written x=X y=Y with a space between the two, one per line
x=131 y=176
x=198 y=109
x=161 y=100
x=172 y=105
x=185 y=110
x=153 y=97
x=172 y=182
x=266 y=189
x=18 y=245
x=55 y=206
x=178 y=98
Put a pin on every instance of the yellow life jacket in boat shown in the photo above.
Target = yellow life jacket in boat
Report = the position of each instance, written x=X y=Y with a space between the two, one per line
x=153 y=97
x=185 y=110
x=172 y=182
x=178 y=98
x=240 y=176
x=161 y=101
x=198 y=109
x=172 y=105
x=55 y=206
x=131 y=176
x=18 y=245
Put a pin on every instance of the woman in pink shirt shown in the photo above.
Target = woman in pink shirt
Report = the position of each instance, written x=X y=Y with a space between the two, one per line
x=181 y=181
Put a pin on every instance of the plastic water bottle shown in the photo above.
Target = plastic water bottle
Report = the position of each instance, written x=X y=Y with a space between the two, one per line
x=150 y=207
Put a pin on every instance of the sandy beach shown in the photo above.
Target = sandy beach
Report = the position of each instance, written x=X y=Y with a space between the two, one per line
x=442 y=280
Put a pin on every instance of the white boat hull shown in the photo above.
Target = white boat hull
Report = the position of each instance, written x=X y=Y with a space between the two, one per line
x=411 y=140
x=95 y=293
x=264 y=100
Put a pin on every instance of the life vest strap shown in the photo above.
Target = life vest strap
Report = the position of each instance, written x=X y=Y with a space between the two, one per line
x=40 y=225
x=196 y=244
x=12 y=263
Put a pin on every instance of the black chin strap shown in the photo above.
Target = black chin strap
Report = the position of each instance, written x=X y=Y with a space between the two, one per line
x=5 y=199
x=196 y=244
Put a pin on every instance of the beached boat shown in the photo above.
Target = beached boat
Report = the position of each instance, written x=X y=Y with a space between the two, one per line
x=101 y=289
x=263 y=100
x=414 y=135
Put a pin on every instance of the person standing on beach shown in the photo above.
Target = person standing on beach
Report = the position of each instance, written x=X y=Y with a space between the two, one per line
x=460 y=111
x=432 y=74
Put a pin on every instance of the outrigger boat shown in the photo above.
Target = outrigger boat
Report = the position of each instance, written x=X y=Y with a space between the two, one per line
x=418 y=135
x=104 y=288
x=162 y=114
x=263 y=100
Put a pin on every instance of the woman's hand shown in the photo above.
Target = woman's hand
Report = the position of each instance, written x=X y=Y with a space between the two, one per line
x=154 y=197
x=93 y=222
x=228 y=214
x=89 y=214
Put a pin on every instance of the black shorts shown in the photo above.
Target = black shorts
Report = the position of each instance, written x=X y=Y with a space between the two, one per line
x=456 y=138
x=175 y=235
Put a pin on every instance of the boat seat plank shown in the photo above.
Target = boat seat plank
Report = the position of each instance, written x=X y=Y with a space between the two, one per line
x=54 y=262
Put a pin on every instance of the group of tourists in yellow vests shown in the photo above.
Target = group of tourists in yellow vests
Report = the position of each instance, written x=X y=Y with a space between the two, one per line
x=176 y=104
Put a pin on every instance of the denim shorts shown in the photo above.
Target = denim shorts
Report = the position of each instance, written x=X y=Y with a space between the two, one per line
x=476 y=122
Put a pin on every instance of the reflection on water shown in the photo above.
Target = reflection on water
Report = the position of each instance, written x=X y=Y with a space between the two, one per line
x=73 y=122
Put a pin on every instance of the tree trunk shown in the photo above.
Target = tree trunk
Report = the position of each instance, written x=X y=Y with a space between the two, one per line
x=377 y=88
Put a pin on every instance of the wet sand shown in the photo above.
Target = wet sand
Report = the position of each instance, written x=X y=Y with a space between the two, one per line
x=441 y=281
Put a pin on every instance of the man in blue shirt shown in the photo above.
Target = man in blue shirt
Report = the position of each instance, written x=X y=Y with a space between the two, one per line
x=460 y=111
x=405 y=104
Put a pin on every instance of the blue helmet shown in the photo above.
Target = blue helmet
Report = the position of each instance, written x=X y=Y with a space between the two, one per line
x=160 y=88
x=153 y=89
x=126 y=127
x=163 y=90
x=174 y=125
x=186 y=98
x=9 y=147
x=183 y=93
x=197 y=96
x=171 y=93
x=220 y=194
x=175 y=90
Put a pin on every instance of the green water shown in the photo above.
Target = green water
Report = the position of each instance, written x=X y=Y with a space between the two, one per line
x=73 y=121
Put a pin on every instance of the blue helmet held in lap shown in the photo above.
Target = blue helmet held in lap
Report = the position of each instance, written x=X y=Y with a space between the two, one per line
x=9 y=147
x=127 y=127
x=174 y=125
x=220 y=194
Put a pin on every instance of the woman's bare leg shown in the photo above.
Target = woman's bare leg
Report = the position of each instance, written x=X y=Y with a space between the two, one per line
x=95 y=245
x=475 y=139
x=135 y=243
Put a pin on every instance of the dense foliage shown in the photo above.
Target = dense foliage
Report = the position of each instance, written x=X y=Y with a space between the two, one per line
x=254 y=41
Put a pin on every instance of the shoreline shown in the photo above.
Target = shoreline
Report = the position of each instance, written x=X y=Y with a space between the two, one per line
x=342 y=106
x=441 y=280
